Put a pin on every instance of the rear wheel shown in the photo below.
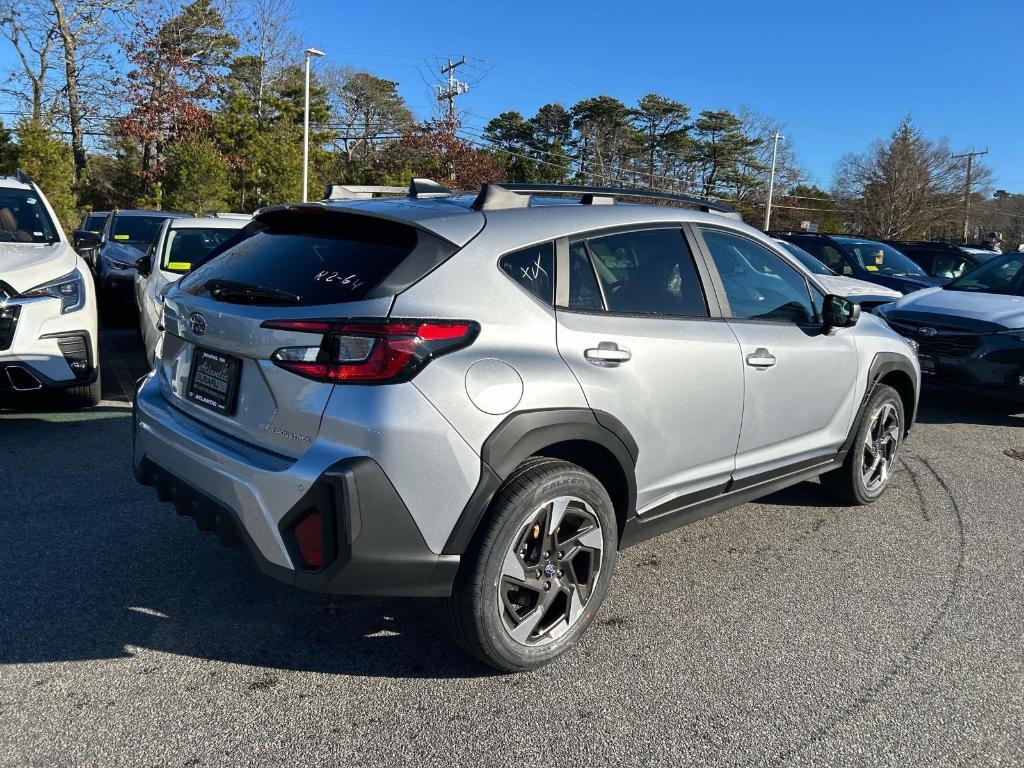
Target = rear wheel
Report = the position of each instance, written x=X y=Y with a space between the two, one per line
x=538 y=570
x=868 y=467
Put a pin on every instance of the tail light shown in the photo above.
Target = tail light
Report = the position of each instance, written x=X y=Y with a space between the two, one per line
x=370 y=351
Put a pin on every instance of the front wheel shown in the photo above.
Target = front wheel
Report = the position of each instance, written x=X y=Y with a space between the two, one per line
x=538 y=570
x=868 y=467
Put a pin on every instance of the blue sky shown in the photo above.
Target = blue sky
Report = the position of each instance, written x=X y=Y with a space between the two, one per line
x=838 y=74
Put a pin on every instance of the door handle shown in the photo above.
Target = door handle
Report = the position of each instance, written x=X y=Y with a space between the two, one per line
x=607 y=353
x=761 y=358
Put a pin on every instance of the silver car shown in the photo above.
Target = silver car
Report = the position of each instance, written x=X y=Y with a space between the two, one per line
x=178 y=244
x=485 y=398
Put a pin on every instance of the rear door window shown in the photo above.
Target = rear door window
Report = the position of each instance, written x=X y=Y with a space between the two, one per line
x=647 y=272
x=304 y=259
x=584 y=293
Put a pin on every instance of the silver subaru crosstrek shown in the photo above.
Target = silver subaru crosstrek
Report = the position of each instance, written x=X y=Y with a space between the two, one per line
x=486 y=397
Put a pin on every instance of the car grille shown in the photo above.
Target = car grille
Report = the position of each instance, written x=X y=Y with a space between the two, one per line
x=948 y=341
x=8 y=324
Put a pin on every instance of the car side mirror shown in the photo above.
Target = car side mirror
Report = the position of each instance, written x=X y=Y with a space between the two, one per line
x=143 y=266
x=839 y=312
x=83 y=238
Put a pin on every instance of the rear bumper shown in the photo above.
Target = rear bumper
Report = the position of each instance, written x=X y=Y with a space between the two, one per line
x=372 y=544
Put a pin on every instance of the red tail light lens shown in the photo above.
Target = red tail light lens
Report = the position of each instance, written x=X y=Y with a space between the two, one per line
x=368 y=351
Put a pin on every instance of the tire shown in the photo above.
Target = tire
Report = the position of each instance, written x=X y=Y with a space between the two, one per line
x=500 y=611
x=86 y=395
x=883 y=420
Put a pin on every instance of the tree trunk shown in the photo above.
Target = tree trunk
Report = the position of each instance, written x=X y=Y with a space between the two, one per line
x=74 y=107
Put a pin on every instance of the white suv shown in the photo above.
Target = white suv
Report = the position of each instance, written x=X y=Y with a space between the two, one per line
x=48 y=328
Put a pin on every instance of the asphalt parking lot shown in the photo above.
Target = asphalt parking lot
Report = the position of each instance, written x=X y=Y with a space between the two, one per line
x=786 y=632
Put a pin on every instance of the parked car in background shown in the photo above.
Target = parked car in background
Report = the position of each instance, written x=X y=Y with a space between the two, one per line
x=864 y=259
x=126 y=236
x=91 y=225
x=867 y=295
x=485 y=399
x=970 y=331
x=942 y=260
x=981 y=254
x=179 y=244
x=48 y=326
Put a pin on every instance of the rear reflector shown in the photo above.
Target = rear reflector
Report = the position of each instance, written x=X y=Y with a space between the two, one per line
x=370 y=351
x=309 y=537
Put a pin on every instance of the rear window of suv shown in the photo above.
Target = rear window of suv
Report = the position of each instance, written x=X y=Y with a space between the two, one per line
x=306 y=258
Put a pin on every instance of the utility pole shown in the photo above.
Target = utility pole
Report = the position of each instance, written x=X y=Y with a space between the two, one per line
x=454 y=87
x=771 y=182
x=967 y=189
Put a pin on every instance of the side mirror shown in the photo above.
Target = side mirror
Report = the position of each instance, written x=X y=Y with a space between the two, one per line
x=839 y=312
x=83 y=238
x=142 y=265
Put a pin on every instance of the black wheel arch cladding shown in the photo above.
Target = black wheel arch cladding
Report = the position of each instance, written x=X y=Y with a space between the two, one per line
x=564 y=430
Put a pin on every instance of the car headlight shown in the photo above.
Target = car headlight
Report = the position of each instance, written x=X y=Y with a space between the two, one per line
x=1014 y=333
x=70 y=289
x=117 y=263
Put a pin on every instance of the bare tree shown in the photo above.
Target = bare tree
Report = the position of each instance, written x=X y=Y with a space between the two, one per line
x=83 y=28
x=268 y=36
x=905 y=186
x=755 y=168
x=32 y=32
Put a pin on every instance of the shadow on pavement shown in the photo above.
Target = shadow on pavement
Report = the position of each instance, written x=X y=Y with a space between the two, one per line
x=92 y=565
x=942 y=406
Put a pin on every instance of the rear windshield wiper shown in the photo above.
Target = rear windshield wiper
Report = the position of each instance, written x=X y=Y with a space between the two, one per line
x=247 y=293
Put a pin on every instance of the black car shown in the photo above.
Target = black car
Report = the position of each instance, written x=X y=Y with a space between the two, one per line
x=126 y=236
x=942 y=260
x=864 y=259
x=91 y=226
x=970 y=332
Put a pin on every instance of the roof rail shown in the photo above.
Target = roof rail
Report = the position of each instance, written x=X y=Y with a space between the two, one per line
x=359 y=191
x=497 y=196
x=21 y=176
x=420 y=188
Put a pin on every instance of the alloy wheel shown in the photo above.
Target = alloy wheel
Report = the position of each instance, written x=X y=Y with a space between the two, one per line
x=880 y=446
x=550 y=571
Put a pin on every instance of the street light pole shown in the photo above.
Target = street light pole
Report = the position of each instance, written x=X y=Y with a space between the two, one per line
x=771 y=182
x=310 y=53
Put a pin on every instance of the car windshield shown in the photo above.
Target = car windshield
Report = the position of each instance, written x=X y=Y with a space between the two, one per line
x=94 y=222
x=184 y=247
x=879 y=258
x=809 y=262
x=23 y=218
x=1003 y=276
x=139 y=231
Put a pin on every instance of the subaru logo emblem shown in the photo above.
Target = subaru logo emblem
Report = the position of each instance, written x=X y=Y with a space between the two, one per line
x=197 y=323
x=929 y=332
